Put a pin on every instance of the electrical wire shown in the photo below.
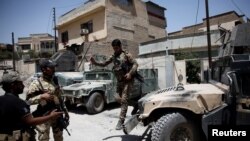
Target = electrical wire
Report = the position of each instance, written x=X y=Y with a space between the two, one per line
x=196 y=17
x=238 y=8
x=49 y=20
x=73 y=5
x=61 y=10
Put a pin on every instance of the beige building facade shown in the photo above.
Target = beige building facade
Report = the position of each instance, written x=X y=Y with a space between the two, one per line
x=132 y=21
x=39 y=43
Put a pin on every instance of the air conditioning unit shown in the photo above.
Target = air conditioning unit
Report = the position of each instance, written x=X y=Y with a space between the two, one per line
x=84 y=31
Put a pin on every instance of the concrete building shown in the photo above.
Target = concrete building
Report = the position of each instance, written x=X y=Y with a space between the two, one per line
x=191 y=39
x=39 y=43
x=225 y=20
x=100 y=21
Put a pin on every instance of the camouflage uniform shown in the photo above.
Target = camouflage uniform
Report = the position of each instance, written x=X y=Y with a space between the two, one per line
x=33 y=94
x=123 y=86
x=123 y=64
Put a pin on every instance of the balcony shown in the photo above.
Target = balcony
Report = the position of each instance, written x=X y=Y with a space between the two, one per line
x=85 y=9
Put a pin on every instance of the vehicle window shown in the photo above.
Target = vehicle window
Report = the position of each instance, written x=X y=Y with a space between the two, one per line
x=98 y=76
x=61 y=81
x=104 y=76
x=90 y=76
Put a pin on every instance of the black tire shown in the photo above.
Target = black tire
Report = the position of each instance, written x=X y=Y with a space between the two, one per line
x=95 y=103
x=174 y=127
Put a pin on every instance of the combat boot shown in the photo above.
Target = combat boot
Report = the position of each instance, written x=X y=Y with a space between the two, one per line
x=119 y=125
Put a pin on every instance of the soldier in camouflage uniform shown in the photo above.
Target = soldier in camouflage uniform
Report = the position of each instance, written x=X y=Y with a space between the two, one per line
x=15 y=117
x=46 y=93
x=124 y=69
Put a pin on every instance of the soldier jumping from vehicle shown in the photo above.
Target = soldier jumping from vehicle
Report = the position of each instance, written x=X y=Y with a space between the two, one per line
x=125 y=66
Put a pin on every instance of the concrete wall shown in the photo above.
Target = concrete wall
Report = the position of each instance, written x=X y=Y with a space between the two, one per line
x=183 y=42
x=155 y=63
x=25 y=69
x=167 y=69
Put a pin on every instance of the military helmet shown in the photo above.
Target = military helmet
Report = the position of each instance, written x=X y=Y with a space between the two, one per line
x=47 y=63
x=11 y=76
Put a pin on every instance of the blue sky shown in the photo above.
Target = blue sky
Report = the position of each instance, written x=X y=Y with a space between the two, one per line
x=25 y=17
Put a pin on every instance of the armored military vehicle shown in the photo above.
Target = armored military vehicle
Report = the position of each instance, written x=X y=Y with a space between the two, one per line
x=66 y=61
x=185 y=112
x=99 y=88
x=68 y=78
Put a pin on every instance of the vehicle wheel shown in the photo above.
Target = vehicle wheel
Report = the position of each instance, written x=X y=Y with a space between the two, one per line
x=95 y=103
x=174 y=127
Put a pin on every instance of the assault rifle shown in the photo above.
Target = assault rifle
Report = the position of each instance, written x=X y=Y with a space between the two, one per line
x=62 y=122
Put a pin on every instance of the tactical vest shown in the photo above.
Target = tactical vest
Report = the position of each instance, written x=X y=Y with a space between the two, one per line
x=121 y=66
x=44 y=107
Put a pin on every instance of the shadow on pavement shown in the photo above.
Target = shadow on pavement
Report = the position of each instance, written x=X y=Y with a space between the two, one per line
x=78 y=110
x=112 y=106
x=146 y=136
x=82 y=109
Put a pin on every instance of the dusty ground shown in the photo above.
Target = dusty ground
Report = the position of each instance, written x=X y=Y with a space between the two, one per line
x=99 y=127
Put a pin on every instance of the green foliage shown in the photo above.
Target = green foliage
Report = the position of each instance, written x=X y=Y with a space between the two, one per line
x=4 y=54
x=193 y=71
x=33 y=54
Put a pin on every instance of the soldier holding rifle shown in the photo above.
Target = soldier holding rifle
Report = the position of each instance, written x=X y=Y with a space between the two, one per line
x=45 y=92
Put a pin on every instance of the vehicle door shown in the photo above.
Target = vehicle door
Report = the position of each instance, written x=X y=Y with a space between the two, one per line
x=111 y=89
x=243 y=99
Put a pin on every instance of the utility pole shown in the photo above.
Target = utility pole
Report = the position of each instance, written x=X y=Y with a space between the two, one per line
x=208 y=36
x=54 y=11
x=13 y=52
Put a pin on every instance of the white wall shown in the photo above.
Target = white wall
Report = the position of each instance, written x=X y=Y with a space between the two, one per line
x=167 y=69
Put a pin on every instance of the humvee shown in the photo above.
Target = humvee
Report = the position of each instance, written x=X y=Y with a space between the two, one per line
x=185 y=112
x=68 y=78
x=99 y=88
